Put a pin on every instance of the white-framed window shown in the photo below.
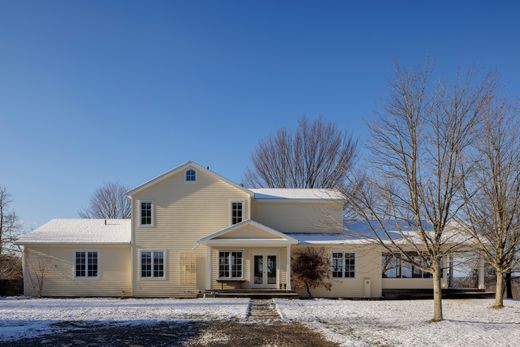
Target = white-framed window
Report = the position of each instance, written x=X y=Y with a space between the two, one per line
x=343 y=265
x=191 y=175
x=146 y=213
x=152 y=263
x=230 y=264
x=86 y=264
x=236 y=209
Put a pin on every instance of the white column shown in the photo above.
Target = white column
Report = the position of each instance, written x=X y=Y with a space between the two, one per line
x=288 y=274
x=208 y=267
x=481 y=273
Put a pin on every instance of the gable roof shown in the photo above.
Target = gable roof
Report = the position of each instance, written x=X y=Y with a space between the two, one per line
x=80 y=231
x=180 y=168
x=280 y=194
x=244 y=223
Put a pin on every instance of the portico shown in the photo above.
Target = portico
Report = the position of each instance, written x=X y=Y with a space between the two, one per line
x=248 y=255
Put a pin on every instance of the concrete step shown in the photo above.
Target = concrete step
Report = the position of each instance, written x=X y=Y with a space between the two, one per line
x=262 y=310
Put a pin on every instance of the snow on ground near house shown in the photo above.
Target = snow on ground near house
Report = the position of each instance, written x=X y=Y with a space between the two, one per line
x=26 y=317
x=405 y=323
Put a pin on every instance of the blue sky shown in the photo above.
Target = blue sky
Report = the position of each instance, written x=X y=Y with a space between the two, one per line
x=97 y=91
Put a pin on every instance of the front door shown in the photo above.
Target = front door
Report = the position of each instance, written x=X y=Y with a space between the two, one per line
x=264 y=271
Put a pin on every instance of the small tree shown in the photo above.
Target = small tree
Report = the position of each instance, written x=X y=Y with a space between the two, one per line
x=311 y=269
x=108 y=201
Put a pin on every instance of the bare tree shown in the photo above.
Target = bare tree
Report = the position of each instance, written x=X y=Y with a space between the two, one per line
x=10 y=266
x=311 y=269
x=9 y=224
x=412 y=192
x=317 y=155
x=37 y=270
x=108 y=201
x=492 y=192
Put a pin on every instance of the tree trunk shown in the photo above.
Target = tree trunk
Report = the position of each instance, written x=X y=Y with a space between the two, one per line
x=437 y=292
x=499 y=290
x=309 y=295
x=509 y=286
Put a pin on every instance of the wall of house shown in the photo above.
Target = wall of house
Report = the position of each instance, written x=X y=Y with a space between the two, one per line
x=56 y=263
x=248 y=253
x=300 y=217
x=407 y=283
x=184 y=212
x=368 y=266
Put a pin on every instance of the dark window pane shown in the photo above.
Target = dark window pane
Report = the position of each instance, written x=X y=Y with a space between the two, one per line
x=80 y=264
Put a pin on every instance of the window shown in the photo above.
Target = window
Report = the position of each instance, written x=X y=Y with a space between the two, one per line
x=152 y=264
x=146 y=212
x=237 y=212
x=394 y=266
x=343 y=265
x=191 y=175
x=230 y=264
x=86 y=263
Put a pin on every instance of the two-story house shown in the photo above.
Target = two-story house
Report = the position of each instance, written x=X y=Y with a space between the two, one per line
x=193 y=231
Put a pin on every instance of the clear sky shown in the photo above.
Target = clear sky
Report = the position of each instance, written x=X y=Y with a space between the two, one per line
x=97 y=91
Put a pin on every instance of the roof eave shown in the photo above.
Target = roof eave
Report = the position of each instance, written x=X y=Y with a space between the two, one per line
x=179 y=168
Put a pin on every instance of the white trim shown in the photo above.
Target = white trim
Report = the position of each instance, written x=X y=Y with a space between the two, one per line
x=186 y=174
x=343 y=278
x=284 y=238
x=152 y=209
x=248 y=242
x=230 y=265
x=86 y=277
x=208 y=267
x=140 y=265
x=288 y=267
x=230 y=211
x=199 y=167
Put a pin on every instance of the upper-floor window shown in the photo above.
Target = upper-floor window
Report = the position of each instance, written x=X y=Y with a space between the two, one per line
x=191 y=175
x=343 y=265
x=86 y=264
x=237 y=212
x=146 y=216
x=152 y=264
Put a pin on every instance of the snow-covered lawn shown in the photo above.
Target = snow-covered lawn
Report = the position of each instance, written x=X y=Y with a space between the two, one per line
x=405 y=323
x=24 y=317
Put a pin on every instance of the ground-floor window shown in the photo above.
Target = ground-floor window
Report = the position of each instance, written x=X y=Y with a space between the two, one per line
x=343 y=265
x=86 y=264
x=152 y=264
x=396 y=266
x=230 y=264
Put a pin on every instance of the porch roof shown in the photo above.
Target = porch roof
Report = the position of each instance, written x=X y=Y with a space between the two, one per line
x=270 y=237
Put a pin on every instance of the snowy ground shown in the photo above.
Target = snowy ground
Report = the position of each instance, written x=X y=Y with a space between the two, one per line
x=24 y=317
x=405 y=323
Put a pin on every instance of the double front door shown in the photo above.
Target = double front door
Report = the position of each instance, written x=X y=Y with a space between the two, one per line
x=264 y=271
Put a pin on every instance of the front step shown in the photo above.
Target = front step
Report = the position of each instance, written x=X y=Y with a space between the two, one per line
x=256 y=293
x=262 y=310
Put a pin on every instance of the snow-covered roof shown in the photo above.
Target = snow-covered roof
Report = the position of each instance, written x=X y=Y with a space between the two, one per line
x=80 y=231
x=296 y=194
x=362 y=232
